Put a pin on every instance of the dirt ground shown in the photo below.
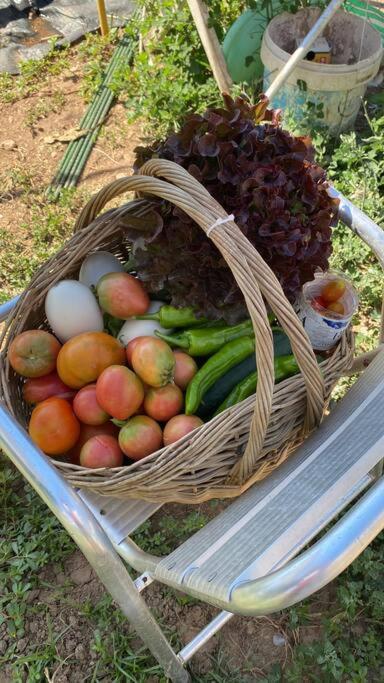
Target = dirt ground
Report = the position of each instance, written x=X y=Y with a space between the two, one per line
x=250 y=646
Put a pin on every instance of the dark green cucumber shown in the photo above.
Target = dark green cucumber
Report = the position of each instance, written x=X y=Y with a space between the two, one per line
x=224 y=385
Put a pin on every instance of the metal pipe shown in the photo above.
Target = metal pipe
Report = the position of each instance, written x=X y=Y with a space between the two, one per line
x=7 y=307
x=319 y=565
x=371 y=233
x=91 y=539
x=204 y=636
x=302 y=50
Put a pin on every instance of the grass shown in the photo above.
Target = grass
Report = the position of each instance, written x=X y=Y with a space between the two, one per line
x=348 y=646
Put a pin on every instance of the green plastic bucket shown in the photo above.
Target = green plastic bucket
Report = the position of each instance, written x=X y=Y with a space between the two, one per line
x=242 y=45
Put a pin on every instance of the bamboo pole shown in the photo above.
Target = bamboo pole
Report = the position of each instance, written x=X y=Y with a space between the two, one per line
x=104 y=28
x=211 y=45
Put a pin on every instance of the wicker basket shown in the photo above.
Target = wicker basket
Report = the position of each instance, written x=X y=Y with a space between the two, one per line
x=245 y=443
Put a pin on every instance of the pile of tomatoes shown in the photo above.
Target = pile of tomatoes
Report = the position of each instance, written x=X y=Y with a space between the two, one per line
x=97 y=401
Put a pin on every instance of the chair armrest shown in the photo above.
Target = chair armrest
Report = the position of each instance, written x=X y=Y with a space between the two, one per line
x=318 y=565
x=7 y=307
x=361 y=224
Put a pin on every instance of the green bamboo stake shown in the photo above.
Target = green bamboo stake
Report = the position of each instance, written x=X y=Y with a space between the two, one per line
x=78 y=151
x=89 y=120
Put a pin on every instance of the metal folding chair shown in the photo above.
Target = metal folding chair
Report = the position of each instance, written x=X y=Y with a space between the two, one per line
x=249 y=560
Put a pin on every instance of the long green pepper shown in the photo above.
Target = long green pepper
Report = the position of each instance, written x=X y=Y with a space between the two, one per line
x=226 y=358
x=285 y=366
x=171 y=316
x=207 y=340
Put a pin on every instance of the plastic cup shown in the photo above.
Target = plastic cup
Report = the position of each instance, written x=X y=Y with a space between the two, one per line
x=323 y=326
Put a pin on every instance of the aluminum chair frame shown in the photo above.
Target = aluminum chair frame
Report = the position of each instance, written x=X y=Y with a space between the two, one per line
x=106 y=553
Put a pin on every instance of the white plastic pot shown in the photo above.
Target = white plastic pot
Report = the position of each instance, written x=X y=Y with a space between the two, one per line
x=330 y=93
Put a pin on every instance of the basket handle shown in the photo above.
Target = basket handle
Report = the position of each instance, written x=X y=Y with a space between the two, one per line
x=255 y=279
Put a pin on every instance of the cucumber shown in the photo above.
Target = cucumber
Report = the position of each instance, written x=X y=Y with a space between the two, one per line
x=224 y=385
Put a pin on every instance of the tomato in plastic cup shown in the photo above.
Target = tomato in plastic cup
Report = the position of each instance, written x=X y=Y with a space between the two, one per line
x=326 y=306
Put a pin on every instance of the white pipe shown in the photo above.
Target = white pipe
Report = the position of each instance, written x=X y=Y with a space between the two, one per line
x=302 y=50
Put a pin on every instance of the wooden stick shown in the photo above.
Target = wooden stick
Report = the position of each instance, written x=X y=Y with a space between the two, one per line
x=104 y=28
x=211 y=45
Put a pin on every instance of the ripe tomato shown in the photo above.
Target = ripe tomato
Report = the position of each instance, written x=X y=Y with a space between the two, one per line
x=37 y=389
x=87 y=432
x=185 y=369
x=140 y=437
x=53 y=426
x=163 y=403
x=119 y=392
x=318 y=303
x=153 y=361
x=122 y=295
x=101 y=451
x=83 y=358
x=179 y=426
x=86 y=407
x=333 y=291
x=33 y=353
x=336 y=307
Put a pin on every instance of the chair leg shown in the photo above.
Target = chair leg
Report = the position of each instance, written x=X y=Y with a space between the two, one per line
x=81 y=524
x=123 y=590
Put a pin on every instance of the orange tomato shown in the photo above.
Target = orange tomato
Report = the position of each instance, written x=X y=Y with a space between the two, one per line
x=333 y=291
x=336 y=307
x=53 y=426
x=83 y=358
x=33 y=353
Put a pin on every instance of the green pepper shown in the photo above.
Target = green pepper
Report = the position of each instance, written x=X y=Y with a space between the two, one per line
x=171 y=316
x=224 y=385
x=285 y=366
x=207 y=340
x=229 y=355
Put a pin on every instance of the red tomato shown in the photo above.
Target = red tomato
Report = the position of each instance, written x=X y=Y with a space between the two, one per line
x=101 y=451
x=119 y=392
x=33 y=353
x=37 y=389
x=185 y=369
x=163 y=403
x=86 y=433
x=53 y=426
x=318 y=303
x=179 y=426
x=86 y=407
x=122 y=295
x=140 y=437
x=333 y=291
